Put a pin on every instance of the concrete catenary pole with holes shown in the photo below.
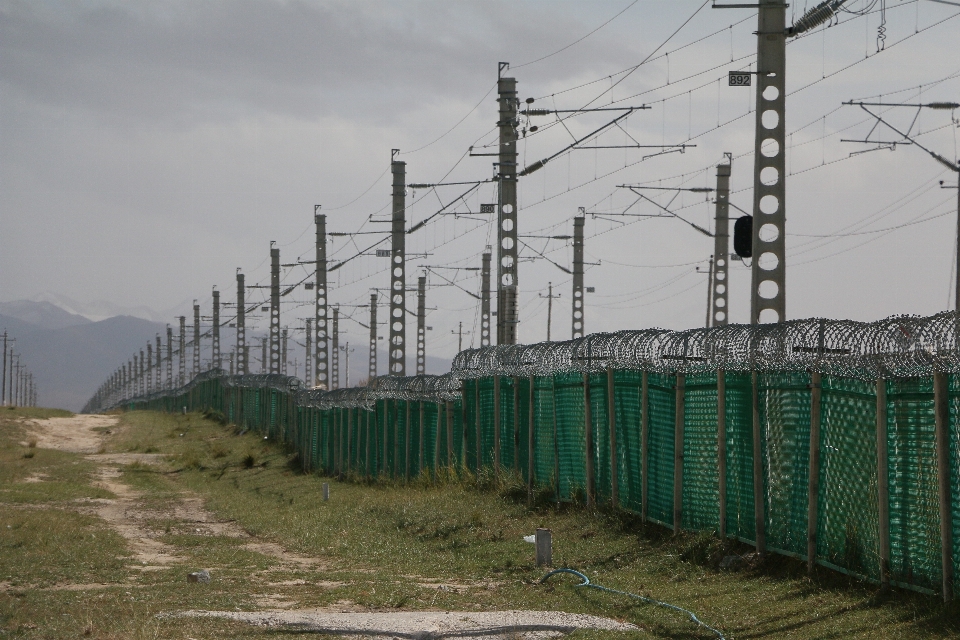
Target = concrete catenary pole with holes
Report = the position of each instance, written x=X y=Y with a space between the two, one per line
x=507 y=283
x=158 y=370
x=372 y=369
x=10 y=371
x=421 y=325
x=308 y=356
x=577 y=319
x=398 y=306
x=169 y=357
x=485 y=300
x=10 y=378
x=719 y=285
x=321 y=356
x=183 y=351
x=3 y=380
x=335 y=350
x=768 y=275
x=241 y=326
x=196 y=338
x=148 y=380
x=274 y=309
x=215 y=348
x=284 y=334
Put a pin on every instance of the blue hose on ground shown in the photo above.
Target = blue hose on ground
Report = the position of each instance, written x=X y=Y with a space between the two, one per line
x=586 y=583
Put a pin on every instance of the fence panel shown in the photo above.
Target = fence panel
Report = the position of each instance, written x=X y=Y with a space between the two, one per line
x=629 y=462
x=785 y=423
x=912 y=470
x=741 y=522
x=600 y=427
x=848 y=533
x=571 y=439
x=701 y=481
x=660 y=458
x=545 y=432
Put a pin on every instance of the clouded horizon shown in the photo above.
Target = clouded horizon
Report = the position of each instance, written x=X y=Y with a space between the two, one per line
x=150 y=149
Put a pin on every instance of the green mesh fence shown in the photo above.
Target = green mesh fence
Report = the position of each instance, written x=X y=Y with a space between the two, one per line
x=522 y=445
x=629 y=461
x=662 y=411
x=741 y=519
x=426 y=439
x=485 y=422
x=403 y=438
x=508 y=426
x=701 y=475
x=785 y=438
x=545 y=442
x=571 y=438
x=847 y=530
x=954 y=434
x=600 y=430
x=912 y=472
x=471 y=421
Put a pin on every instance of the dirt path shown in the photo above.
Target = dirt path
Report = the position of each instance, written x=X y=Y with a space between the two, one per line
x=77 y=433
x=127 y=513
x=525 y=625
x=136 y=518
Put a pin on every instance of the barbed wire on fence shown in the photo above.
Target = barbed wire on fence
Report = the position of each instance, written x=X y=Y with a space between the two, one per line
x=895 y=347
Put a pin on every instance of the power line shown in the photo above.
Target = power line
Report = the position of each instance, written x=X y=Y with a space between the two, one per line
x=579 y=40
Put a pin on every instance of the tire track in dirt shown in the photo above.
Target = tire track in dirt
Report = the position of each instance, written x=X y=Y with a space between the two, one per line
x=128 y=513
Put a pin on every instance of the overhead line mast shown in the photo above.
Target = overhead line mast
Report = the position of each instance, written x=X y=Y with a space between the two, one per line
x=421 y=325
x=397 y=319
x=215 y=348
x=335 y=347
x=321 y=364
x=768 y=275
x=372 y=368
x=308 y=354
x=196 y=339
x=274 y=309
x=485 y=318
x=577 y=307
x=507 y=319
x=719 y=284
x=183 y=351
x=148 y=380
x=242 y=350
x=169 y=357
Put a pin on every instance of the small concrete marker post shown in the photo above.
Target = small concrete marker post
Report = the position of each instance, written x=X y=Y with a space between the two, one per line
x=326 y=491
x=202 y=576
x=544 y=545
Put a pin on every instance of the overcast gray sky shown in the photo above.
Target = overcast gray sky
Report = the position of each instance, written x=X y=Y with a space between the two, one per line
x=148 y=149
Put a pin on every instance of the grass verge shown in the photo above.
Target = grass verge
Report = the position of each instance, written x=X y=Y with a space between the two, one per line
x=391 y=546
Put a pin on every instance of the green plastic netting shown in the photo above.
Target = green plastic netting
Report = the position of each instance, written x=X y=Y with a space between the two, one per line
x=785 y=436
x=404 y=438
x=660 y=457
x=701 y=480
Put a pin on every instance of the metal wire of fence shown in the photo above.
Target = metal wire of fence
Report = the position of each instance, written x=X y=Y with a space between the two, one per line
x=834 y=442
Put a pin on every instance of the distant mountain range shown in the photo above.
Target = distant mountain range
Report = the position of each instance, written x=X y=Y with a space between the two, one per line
x=71 y=354
x=99 y=309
